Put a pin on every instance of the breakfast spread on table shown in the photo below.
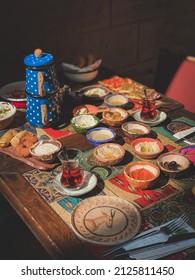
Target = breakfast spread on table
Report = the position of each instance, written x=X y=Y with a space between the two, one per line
x=101 y=219
x=126 y=86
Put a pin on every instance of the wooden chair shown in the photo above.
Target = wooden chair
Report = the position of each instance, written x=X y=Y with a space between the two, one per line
x=182 y=85
x=167 y=65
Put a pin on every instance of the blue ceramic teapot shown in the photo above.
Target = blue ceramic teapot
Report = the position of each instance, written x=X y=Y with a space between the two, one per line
x=41 y=77
x=42 y=86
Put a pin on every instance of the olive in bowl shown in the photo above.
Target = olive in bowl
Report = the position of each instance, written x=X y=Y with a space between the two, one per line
x=173 y=165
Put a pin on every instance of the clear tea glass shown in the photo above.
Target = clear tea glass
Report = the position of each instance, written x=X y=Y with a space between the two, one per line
x=71 y=175
x=148 y=111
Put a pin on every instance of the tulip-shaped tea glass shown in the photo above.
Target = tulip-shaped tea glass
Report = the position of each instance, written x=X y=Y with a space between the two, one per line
x=148 y=111
x=71 y=175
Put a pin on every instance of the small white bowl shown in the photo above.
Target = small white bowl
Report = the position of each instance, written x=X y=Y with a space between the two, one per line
x=182 y=164
x=135 y=130
x=116 y=100
x=46 y=150
x=7 y=114
x=95 y=92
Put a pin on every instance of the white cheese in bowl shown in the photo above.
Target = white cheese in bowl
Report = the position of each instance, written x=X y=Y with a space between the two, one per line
x=85 y=121
x=95 y=92
x=45 y=148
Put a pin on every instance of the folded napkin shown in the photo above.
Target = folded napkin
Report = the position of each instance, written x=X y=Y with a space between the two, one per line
x=185 y=133
x=76 y=69
x=161 y=250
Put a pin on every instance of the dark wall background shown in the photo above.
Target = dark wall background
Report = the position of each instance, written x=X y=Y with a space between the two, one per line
x=126 y=34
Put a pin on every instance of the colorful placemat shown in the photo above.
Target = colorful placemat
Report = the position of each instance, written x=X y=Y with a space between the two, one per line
x=60 y=132
x=111 y=181
x=175 y=126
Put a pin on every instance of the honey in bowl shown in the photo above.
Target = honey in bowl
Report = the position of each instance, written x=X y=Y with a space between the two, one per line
x=117 y=102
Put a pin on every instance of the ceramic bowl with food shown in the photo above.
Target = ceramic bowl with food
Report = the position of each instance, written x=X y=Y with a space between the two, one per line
x=141 y=174
x=134 y=130
x=116 y=100
x=80 y=77
x=46 y=150
x=173 y=164
x=100 y=135
x=7 y=114
x=115 y=116
x=189 y=152
x=82 y=123
x=147 y=148
x=85 y=109
x=109 y=154
x=94 y=93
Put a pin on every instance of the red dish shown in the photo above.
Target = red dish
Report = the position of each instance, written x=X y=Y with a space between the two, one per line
x=19 y=104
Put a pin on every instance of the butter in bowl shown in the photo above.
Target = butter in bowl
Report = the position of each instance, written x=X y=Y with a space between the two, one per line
x=94 y=93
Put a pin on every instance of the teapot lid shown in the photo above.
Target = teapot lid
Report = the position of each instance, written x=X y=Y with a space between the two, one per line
x=38 y=58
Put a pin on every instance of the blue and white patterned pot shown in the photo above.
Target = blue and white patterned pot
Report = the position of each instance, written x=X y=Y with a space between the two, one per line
x=42 y=112
x=41 y=77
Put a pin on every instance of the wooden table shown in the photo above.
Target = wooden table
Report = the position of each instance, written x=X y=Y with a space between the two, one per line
x=54 y=235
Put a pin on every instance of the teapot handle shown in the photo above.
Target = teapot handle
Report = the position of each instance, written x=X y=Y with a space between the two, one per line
x=44 y=114
x=41 y=90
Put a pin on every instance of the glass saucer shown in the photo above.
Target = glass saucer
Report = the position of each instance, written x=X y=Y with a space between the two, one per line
x=160 y=118
x=88 y=184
